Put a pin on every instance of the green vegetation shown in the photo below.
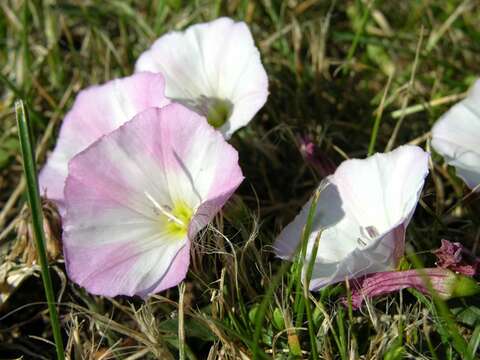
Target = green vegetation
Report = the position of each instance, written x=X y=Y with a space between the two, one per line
x=356 y=76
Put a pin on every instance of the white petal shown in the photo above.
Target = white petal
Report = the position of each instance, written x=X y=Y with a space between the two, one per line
x=96 y=112
x=456 y=136
x=215 y=60
x=378 y=194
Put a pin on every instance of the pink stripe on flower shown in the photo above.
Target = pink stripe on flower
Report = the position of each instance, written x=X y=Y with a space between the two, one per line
x=444 y=283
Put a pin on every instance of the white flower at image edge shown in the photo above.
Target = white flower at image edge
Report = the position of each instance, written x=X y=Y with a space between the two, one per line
x=456 y=136
x=363 y=210
x=214 y=69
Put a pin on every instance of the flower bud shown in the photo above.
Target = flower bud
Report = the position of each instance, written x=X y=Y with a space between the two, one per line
x=445 y=284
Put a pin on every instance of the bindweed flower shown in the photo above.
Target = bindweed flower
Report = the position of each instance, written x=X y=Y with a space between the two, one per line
x=443 y=282
x=137 y=197
x=456 y=136
x=316 y=157
x=362 y=214
x=214 y=69
x=97 y=111
x=455 y=257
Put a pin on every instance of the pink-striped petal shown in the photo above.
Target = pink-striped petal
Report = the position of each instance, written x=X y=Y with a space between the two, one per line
x=97 y=111
x=136 y=198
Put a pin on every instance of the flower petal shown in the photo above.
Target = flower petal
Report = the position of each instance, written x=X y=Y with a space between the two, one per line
x=456 y=136
x=215 y=60
x=96 y=112
x=381 y=255
x=328 y=213
x=362 y=213
x=383 y=190
x=117 y=239
x=128 y=268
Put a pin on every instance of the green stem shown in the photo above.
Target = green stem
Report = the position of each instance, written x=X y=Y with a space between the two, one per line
x=378 y=118
x=307 y=230
x=262 y=309
x=306 y=290
x=447 y=319
x=373 y=138
x=358 y=33
x=25 y=48
x=37 y=219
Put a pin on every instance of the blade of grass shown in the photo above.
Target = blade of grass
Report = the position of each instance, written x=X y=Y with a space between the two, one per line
x=51 y=24
x=25 y=48
x=308 y=276
x=181 y=323
x=428 y=105
x=36 y=117
x=342 y=337
x=37 y=219
x=474 y=342
x=408 y=95
x=378 y=118
x=217 y=7
x=299 y=304
x=358 y=34
x=260 y=316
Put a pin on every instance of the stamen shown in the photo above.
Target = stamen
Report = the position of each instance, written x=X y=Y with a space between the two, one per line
x=367 y=233
x=372 y=231
x=361 y=242
x=159 y=207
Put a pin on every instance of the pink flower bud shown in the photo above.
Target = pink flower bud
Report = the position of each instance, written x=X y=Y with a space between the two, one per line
x=445 y=284
x=455 y=257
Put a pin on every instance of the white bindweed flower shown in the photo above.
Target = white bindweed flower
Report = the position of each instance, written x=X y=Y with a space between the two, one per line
x=136 y=198
x=456 y=136
x=363 y=211
x=97 y=111
x=214 y=69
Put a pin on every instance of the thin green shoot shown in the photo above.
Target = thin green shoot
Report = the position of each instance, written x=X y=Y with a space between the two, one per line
x=37 y=219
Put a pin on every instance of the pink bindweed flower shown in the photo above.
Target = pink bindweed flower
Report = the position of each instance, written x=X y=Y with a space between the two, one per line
x=214 y=69
x=362 y=214
x=315 y=157
x=443 y=282
x=455 y=257
x=456 y=136
x=136 y=198
x=97 y=111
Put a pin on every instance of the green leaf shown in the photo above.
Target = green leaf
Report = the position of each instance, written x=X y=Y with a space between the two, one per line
x=469 y=316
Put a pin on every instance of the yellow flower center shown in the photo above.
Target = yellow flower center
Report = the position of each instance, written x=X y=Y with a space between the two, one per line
x=174 y=220
x=218 y=112
x=177 y=224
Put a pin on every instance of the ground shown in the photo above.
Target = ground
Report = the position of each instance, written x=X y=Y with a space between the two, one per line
x=335 y=68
